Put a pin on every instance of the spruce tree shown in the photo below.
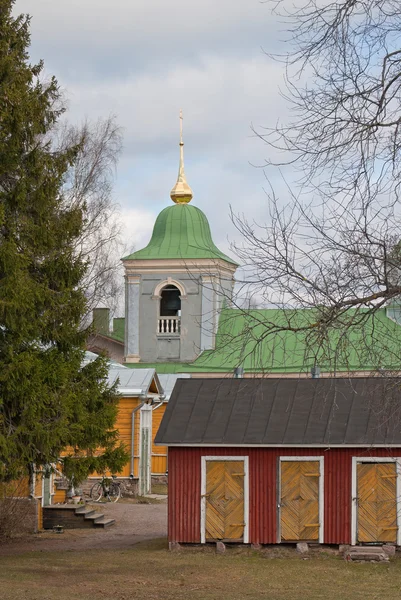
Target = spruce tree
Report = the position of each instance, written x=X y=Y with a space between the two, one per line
x=48 y=400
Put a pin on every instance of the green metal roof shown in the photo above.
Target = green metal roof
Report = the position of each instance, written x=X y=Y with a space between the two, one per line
x=181 y=231
x=118 y=332
x=363 y=342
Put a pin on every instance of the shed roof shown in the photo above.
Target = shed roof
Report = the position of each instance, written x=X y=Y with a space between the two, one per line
x=283 y=412
x=168 y=381
x=135 y=382
x=91 y=356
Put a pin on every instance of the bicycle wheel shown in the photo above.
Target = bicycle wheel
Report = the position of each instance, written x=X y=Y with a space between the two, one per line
x=96 y=491
x=114 y=492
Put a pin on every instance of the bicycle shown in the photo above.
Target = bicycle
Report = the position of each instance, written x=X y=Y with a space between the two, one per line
x=106 y=488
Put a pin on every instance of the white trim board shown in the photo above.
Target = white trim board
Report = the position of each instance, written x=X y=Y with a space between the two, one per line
x=245 y=460
x=320 y=460
x=354 y=491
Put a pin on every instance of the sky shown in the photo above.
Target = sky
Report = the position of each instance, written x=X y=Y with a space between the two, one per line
x=144 y=60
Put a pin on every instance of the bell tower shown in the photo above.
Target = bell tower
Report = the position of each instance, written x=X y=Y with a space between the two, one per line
x=177 y=285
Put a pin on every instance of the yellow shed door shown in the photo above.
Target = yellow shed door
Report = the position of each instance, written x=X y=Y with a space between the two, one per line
x=377 y=502
x=225 y=500
x=299 y=503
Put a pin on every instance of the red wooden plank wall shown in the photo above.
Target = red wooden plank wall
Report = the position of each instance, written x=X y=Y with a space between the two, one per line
x=185 y=490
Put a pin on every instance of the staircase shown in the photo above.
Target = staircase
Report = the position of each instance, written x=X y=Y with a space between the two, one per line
x=71 y=517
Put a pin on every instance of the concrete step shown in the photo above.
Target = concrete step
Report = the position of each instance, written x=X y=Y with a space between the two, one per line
x=103 y=522
x=94 y=516
x=84 y=512
x=366 y=553
x=66 y=516
x=72 y=517
x=80 y=509
x=377 y=548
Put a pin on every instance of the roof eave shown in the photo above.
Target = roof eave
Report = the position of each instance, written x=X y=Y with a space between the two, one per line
x=325 y=446
x=107 y=337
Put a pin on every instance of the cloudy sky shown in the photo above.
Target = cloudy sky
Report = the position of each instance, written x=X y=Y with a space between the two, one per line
x=143 y=60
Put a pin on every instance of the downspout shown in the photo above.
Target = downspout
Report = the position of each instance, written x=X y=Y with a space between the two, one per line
x=32 y=480
x=133 y=433
x=161 y=401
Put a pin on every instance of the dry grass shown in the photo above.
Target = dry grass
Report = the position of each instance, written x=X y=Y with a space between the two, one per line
x=159 y=488
x=148 y=571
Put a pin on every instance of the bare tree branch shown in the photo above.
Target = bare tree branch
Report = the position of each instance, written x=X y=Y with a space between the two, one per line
x=89 y=186
x=333 y=245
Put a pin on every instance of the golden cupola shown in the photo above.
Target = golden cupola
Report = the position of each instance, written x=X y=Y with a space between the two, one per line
x=181 y=192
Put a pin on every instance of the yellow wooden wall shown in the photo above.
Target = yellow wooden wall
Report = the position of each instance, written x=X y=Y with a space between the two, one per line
x=159 y=453
x=123 y=425
x=38 y=485
x=21 y=489
x=15 y=489
x=59 y=496
x=40 y=516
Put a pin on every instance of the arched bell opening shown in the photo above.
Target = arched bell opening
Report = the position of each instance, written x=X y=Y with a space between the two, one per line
x=170 y=301
x=170 y=311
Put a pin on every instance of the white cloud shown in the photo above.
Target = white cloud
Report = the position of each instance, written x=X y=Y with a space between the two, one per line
x=143 y=60
x=137 y=227
x=143 y=30
x=220 y=99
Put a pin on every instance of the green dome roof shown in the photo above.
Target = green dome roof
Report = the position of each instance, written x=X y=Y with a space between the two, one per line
x=181 y=231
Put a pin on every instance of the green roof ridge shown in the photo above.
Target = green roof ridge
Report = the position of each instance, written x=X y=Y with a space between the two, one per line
x=181 y=231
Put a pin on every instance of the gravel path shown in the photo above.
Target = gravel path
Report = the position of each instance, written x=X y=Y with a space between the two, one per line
x=134 y=523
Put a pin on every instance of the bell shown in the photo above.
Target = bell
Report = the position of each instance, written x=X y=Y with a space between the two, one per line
x=170 y=302
x=173 y=301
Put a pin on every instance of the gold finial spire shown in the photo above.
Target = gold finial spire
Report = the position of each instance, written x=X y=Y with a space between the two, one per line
x=181 y=192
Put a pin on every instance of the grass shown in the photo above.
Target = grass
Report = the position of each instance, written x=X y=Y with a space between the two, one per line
x=149 y=571
x=159 y=488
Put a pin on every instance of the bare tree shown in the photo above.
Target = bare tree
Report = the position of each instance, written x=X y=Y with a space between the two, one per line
x=89 y=185
x=17 y=509
x=334 y=244
x=343 y=76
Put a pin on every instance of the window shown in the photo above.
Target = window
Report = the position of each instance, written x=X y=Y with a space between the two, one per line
x=170 y=301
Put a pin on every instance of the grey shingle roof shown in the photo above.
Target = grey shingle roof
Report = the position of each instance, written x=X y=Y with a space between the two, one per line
x=358 y=411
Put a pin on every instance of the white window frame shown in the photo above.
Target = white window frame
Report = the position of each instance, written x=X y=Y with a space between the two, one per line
x=354 y=490
x=319 y=459
x=169 y=281
x=245 y=460
x=51 y=488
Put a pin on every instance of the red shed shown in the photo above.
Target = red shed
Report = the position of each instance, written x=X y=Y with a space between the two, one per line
x=283 y=460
